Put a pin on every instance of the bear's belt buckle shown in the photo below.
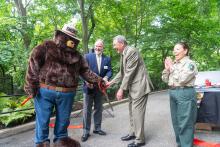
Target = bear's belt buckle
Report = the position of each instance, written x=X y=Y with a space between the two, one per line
x=60 y=89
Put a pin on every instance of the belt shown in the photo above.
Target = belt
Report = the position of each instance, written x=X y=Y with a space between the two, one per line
x=180 y=87
x=60 y=89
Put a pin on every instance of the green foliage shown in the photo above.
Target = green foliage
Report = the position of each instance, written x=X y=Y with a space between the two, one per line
x=3 y=102
x=153 y=26
x=15 y=118
x=8 y=104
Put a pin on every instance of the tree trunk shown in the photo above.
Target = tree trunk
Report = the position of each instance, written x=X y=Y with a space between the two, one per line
x=86 y=33
x=23 y=13
x=2 y=71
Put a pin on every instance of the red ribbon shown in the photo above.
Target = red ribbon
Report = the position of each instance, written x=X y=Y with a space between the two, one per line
x=26 y=100
x=203 y=143
x=102 y=88
x=69 y=127
x=52 y=125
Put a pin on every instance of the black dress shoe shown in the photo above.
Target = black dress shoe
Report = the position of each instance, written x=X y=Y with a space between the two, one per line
x=133 y=144
x=85 y=137
x=127 y=137
x=100 y=132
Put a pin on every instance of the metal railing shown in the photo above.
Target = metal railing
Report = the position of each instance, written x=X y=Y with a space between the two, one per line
x=13 y=96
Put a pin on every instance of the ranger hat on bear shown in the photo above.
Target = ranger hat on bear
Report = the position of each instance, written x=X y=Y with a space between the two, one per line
x=69 y=30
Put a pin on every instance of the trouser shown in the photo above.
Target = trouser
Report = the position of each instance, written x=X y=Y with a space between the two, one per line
x=44 y=103
x=88 y=101
x=183 y=113
x=137 y=107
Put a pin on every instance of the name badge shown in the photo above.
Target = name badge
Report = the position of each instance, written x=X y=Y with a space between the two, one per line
x=105 y=67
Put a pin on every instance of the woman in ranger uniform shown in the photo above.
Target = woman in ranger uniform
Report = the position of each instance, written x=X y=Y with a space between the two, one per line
x=180 y=76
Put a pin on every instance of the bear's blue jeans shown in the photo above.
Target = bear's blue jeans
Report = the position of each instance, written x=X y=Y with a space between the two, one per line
x=44 y=103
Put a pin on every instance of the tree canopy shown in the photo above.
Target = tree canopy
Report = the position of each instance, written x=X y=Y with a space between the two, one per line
x=152 y=26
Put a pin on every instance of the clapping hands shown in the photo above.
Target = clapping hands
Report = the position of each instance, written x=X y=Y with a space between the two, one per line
x=168 y=63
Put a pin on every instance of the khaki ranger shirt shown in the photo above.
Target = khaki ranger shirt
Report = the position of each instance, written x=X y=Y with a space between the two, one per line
x=182 y=74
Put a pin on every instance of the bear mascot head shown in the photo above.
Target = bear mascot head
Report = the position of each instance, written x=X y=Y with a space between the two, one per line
x=66 y=38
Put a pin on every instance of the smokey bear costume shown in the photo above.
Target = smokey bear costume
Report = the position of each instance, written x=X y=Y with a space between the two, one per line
x=52 y=78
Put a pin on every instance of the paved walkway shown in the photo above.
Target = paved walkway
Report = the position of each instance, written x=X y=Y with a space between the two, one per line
x=158 y=129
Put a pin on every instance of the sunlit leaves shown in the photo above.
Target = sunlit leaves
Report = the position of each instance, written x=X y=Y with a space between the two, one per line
x=153 y=26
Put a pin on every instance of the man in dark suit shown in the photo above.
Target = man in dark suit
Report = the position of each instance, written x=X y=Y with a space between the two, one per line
x=101 y=65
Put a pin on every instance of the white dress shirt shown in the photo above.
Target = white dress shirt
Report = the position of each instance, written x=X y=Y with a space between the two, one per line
x=99 y=60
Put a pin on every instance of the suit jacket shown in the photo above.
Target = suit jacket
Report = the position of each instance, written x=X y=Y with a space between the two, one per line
x=133 y=74
x=105 y=69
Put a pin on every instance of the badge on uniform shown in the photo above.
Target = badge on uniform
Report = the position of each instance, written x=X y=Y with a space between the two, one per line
x=191 y=66
x=105 y=67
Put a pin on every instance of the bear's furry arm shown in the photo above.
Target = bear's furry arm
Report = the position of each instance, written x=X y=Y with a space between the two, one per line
x=87 y=74
x=36 y=61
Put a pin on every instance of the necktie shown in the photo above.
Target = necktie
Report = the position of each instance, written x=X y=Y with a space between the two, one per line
x=99 y=62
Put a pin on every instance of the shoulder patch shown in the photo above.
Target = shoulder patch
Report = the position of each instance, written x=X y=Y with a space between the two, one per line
x=191 y=66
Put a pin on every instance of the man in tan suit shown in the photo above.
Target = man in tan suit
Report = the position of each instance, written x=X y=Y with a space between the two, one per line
x=134 y=79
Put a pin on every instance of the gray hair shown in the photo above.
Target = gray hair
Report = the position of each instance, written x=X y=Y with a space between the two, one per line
x=120 y=39
x=99 y=40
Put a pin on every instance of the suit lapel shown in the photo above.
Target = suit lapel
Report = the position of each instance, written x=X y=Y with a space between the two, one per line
x=124 y=55
x=95 y=64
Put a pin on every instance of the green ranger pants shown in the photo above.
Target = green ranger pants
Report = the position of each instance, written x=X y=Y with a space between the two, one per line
x=183 y=113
